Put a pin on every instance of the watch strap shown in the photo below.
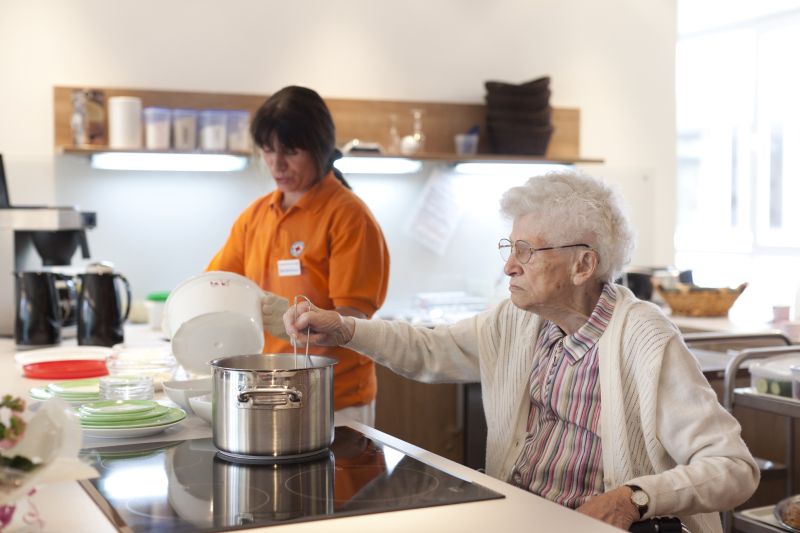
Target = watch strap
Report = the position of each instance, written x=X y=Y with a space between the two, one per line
x=642 y=508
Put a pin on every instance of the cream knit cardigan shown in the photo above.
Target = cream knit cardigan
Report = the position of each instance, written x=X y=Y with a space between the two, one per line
x=661 y=426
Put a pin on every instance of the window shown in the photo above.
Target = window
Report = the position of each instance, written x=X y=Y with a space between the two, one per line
x=738 y=149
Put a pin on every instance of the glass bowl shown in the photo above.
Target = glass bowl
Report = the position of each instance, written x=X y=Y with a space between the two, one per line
x=156 y=362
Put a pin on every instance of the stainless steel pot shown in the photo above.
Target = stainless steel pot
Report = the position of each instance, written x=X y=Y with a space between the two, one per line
x=272 y=405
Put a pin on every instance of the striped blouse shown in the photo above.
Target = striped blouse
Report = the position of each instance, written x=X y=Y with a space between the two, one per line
x=561 y=459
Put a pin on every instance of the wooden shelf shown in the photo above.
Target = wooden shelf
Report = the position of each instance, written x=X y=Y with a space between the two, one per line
x=499 y=158
x=367 y=120
x=496 y=158
x=426 y=157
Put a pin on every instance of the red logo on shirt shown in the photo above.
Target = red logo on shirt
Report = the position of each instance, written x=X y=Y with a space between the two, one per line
x=297 y=248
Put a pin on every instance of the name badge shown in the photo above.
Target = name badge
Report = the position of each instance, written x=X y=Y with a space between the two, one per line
x=289 y=267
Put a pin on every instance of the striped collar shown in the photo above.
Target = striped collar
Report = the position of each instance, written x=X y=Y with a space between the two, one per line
x=582 y=341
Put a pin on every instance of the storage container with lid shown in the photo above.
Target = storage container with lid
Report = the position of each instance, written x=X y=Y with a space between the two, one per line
x=239 y=131
x=796 y=382
x=154 y=303
x=213 y=130
x=774 y=375
x=125 y=122
x=184 y=129
x=154 y=360
x=157 y=122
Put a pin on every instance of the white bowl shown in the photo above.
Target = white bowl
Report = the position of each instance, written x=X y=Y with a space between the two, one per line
x=181 y=392
x=154 y=360
x=213 y=315
x=201 y=405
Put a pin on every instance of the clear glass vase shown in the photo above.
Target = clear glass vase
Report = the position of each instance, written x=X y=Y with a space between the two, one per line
x=418 y=134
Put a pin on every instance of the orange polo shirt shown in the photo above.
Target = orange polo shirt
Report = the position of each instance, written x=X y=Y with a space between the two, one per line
x=344 y=261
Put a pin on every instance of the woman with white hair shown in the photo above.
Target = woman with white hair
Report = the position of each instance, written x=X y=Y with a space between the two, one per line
x=592 y=400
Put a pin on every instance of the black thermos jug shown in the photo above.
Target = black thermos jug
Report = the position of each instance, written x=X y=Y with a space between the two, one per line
x=38 y=315
x=100 y=312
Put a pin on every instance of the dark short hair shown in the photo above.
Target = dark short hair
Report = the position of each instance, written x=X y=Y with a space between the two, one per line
x=298 y=118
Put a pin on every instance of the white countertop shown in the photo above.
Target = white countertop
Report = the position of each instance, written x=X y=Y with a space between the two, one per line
x=723 y=324
x=65 y=507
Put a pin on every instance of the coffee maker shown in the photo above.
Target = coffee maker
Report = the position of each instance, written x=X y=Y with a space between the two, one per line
x=35 y=238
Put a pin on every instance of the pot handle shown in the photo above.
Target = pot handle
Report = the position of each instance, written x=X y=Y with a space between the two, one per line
x=272 y=398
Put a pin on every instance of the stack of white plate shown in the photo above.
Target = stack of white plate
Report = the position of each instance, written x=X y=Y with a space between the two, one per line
x=75 y=391
x=127 y=418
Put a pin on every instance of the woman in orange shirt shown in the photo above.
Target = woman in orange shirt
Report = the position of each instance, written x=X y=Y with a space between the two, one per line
x=311 y=236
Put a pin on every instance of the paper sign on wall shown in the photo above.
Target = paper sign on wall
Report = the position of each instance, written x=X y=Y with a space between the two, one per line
x=438 y=213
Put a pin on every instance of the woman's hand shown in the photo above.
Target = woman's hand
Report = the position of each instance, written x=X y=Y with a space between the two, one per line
x=613 y=507
x=272 y=309
x=306 y=323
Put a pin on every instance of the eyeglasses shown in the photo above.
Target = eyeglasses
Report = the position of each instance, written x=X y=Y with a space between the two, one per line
x=523 y=251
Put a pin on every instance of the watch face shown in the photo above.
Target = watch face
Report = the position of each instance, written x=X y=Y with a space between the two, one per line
x=640 y=498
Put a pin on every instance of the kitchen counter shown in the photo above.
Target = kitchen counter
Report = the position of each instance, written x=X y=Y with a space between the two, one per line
x=65 y=507
x=722 y=324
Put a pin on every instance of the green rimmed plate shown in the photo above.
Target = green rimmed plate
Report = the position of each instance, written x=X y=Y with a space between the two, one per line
x=118 y=407
x=126 y=433
x=42 y=394
x=156 y=412
x=75 y=388
x=171 y=416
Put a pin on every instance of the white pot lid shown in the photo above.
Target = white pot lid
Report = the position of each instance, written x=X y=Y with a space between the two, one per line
x=212 y=335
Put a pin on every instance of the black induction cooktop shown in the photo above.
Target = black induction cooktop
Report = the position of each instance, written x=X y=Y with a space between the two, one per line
x=182 y=486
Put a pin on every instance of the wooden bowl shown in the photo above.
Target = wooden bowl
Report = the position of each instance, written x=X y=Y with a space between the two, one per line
x=691 y=300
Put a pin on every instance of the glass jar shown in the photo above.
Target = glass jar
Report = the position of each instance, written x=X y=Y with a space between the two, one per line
x=88 y=120
x=126 y=387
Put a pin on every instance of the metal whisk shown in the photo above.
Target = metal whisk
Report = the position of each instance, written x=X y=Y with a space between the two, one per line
x=308 y=332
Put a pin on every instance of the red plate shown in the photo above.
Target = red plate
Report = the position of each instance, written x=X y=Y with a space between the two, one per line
x=70 y=369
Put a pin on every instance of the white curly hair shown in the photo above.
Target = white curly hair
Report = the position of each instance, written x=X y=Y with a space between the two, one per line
x=573 y=207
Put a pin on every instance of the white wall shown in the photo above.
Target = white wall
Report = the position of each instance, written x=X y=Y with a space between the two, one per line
x=613 y=59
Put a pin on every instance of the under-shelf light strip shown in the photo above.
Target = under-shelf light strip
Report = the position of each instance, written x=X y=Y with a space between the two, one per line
x=347 y=165
x=493 y=168
x=168 y=162
x=377 y=165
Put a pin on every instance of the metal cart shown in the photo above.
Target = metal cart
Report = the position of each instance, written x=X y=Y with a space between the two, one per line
x=760 y=520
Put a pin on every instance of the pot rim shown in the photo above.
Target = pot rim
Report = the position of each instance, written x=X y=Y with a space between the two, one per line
x=317 y=362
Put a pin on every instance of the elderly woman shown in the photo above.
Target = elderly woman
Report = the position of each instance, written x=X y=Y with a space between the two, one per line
x=592 y=399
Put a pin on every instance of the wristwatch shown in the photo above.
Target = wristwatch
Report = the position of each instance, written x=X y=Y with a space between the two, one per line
x=640 y=499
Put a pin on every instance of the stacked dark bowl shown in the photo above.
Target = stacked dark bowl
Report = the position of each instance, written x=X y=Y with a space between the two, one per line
x=518 y=116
